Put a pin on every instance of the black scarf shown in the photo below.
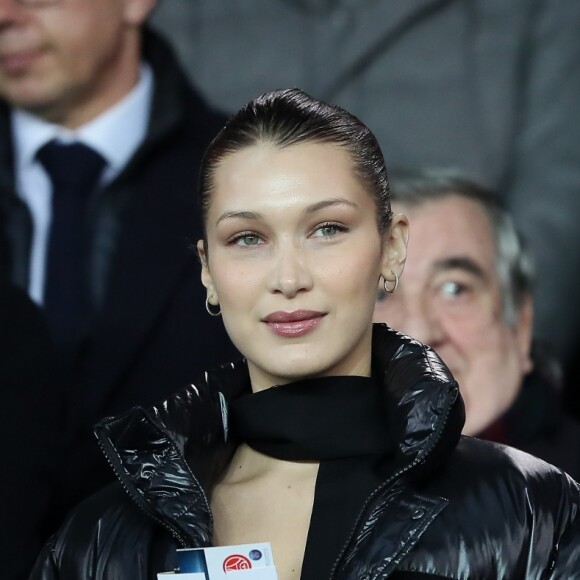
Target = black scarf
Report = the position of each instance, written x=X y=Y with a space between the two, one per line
x=340 y=422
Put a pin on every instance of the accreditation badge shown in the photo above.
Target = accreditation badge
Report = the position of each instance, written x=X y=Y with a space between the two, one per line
x=246 y=561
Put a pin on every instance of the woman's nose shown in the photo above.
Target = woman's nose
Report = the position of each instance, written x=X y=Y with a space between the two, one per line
x=290 y=273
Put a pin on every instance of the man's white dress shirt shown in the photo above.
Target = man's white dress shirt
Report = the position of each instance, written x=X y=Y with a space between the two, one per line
x=115 y=135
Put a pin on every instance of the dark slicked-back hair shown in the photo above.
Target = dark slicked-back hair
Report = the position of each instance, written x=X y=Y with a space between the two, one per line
x=289 y=117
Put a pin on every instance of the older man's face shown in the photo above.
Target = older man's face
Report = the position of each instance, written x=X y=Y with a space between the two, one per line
x=449 y=297
x=68 y=55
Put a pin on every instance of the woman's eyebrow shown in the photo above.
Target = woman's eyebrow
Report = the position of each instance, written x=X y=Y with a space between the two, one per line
x=247 y=215
x=329 y=203
x=252 y=215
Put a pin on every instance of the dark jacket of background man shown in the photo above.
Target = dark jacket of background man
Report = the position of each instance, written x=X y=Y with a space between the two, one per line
x=149 y=330
x=30 y=413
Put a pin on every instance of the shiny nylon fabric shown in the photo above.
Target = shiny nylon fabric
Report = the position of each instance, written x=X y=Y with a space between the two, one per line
x=422 y=391
x=159 y=480
x=467 y=509
x=147 y=450
x=523 y=524
x=147 y=447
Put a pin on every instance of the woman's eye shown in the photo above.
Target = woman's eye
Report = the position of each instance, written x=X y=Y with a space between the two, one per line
x=329 y=230
x=245 y=240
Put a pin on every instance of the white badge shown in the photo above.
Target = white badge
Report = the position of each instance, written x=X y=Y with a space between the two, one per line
x=243 y=562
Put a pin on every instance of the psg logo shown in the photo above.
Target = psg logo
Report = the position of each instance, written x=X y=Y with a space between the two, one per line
x=236 y=562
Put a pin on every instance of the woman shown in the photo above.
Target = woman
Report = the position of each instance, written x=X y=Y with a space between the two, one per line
x=336 y=442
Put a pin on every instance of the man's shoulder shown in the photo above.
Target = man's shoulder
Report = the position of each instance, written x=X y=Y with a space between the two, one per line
x=175 y=95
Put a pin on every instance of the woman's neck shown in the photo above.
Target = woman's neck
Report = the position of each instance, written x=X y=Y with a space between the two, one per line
x=249 y=464
x=262 y=499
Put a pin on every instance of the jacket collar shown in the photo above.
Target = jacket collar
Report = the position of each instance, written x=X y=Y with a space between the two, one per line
x=147 y=446
x=425 y=409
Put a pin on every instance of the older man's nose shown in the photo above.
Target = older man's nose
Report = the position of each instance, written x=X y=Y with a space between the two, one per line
x=421 y=321
x=412 y=314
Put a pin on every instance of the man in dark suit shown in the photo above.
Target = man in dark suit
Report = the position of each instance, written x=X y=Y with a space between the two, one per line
x=84 y=85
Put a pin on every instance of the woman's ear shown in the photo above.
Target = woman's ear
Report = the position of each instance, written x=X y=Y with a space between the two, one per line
x=206 y=278
x=395 y=248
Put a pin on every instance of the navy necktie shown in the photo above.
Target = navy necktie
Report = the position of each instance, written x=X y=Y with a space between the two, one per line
x=74 y=170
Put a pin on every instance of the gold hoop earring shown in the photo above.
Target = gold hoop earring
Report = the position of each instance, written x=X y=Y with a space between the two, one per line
x=390 y=291
x=209 y=311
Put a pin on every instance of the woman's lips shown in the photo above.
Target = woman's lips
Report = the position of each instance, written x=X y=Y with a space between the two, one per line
x=291 y=324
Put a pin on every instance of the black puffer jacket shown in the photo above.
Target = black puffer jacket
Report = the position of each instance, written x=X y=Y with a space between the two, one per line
x=450 y=506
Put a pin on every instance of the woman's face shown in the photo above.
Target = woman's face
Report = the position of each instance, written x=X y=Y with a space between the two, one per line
x=294 y=256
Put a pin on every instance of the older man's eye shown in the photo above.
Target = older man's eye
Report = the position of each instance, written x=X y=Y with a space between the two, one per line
x=452 y=289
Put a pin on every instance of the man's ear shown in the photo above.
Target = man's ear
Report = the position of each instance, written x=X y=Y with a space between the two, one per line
x=206 y=278
x=395 y=248
x=137 y=11
x=524 y=331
